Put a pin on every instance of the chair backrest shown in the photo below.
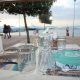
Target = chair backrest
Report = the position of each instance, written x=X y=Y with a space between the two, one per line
x=1 y=45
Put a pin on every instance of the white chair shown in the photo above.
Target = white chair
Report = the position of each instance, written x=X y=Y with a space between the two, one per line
x=72 y=47
x=1 y=46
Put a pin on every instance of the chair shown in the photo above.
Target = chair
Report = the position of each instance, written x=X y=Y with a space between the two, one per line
x=69 y=73
x=61 y=43
x=1 y=46
x=54 y=44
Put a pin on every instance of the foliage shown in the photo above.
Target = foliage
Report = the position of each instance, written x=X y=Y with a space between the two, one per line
x=30 y=8
x=27 y=8
x=45 y=18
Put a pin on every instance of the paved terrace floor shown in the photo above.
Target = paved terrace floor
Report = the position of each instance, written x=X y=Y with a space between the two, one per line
x=32 y=76
x=27 y=76
x=14 y=40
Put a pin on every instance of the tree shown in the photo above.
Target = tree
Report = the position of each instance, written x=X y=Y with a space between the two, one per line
x=45 y=18
x=27 y=8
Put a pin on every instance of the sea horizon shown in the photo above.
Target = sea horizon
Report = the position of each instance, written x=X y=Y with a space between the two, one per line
x=61 y=31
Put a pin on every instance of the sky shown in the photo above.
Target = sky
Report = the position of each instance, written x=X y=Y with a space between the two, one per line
x=62 y=15
x=63 y=12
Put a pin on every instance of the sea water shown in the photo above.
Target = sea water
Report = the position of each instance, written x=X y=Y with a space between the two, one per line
x=62 y=31
x=59 y=31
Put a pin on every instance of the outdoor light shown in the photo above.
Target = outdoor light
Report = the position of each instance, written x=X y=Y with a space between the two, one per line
x=51 y=18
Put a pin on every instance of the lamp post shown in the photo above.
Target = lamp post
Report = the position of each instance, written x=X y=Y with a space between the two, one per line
x=19 y=26
x=44 y=26
x=73 y=18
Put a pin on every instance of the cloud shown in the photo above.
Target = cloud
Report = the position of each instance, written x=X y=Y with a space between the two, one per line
x=77 y=3
x=66 y=7
x=64 y=3
x=64 y=23
x=17 y=21
x=67 y=3
x=61 y=12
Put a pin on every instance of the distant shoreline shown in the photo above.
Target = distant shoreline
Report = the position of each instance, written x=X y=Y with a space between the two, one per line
x=60 y=32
